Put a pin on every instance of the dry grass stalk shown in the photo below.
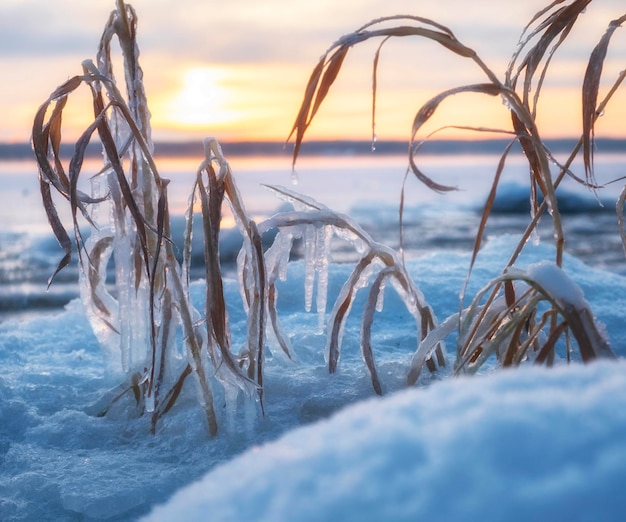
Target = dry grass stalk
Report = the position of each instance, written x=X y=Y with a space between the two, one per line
x=215 y=183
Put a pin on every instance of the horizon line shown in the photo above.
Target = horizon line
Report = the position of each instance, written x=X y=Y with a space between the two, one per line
x=330 y=147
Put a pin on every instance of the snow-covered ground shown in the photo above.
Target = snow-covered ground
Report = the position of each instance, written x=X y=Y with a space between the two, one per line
x=528 y=444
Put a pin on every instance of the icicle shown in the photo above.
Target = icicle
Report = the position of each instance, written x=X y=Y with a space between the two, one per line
x=286 y=243
x=324 y=236
x=149 y=402
x=94 y=210
x=310 y=262
x=250 y=413
x=272 y=254
x=231 y=393
x=124 y=286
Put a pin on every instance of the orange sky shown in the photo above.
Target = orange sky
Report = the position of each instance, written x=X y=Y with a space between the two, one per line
x=237 y=70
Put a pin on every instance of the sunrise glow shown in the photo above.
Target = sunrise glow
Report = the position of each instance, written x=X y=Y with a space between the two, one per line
x=238 y=102
x=240 y=72
x=203 y=100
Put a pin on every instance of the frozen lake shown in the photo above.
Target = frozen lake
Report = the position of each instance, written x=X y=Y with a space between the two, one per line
x=367 y=187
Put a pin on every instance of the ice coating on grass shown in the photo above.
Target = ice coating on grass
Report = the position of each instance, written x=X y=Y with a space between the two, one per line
x=106 y=335
x=380 y=301
x=300 y=202
x=359 y=245
x=277 y=256
x=410 y=296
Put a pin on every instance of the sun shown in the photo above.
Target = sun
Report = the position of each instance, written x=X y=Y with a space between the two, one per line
x=203 y=99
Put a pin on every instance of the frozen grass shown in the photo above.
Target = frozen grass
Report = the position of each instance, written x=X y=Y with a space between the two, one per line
x=128 y=216
x=506 y=325
x=148 y=324
x=378 y=264
x=142 y=320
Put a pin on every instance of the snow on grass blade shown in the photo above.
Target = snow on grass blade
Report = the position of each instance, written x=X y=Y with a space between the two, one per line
x=527 y=327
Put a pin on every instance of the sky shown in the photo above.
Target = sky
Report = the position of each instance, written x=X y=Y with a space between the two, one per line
x=237 y=70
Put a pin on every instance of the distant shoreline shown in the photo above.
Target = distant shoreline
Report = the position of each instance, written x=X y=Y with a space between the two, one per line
x=23 y=151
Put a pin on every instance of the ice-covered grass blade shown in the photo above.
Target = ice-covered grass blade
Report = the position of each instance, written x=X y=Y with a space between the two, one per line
x=377 y=265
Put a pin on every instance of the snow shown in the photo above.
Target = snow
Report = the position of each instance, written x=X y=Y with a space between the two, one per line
x=554 y=281
x=527 y=444
x=484 y=449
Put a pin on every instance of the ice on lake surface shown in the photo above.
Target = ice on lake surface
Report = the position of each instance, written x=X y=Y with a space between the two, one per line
x=533 y=444
x=366 y=187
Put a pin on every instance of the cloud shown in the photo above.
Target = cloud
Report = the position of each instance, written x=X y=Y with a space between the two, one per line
x=284 y=35
x=31 y=28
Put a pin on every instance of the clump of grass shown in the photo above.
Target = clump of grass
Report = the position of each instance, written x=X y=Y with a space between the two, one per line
x=504 y=325
x=144 y=318
x=127 y=211
x=377 y=266
x=524 y=329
